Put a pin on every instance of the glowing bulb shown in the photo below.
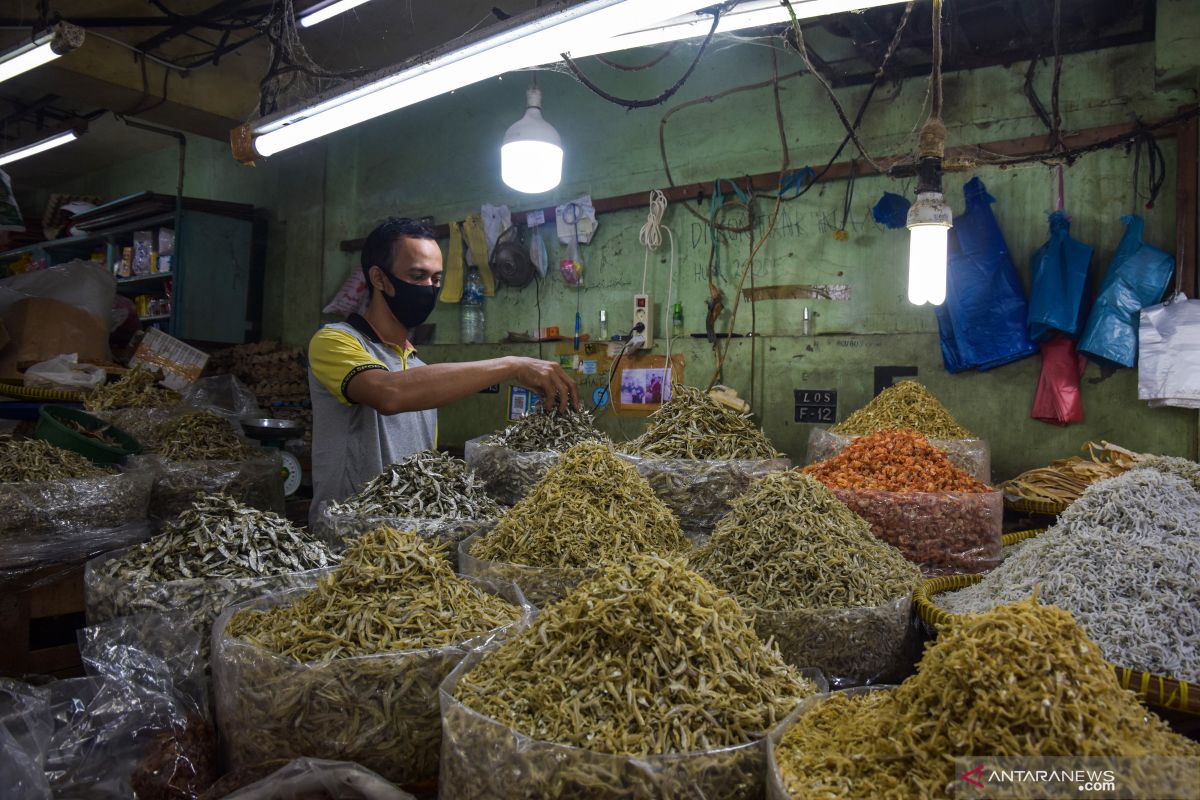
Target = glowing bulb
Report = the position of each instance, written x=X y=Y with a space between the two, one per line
x=531 y=156
x=929 y=222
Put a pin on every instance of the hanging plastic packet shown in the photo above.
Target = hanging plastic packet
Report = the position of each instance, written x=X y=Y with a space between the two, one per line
x=537 y=251
x=571 y=267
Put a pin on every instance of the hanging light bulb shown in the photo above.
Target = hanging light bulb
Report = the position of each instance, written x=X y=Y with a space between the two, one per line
x=929 y=223
x=531 y=156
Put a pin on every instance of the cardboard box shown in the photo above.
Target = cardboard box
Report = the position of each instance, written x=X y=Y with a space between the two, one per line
x=41 y=328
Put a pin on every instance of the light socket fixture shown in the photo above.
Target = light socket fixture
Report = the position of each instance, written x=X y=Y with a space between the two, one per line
x=531 y=156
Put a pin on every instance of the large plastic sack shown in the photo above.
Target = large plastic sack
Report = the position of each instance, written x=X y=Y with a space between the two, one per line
x=1137 y=277
x=851 y=646
x=77 y=283
x=483 y=758
x=1057 y=399
x=944 y=533
x=699 y=491
x=256 y=482
x=221 y=394
x=319 y=779
x=351 y=297
x=25 y=730
x=339 y=530
x=1169 y=339
x=380 y=710
x=972 y=455
x=982 y=324
x=1060 y=271
x=539 y=585
x=65 y=372
x=507 y=475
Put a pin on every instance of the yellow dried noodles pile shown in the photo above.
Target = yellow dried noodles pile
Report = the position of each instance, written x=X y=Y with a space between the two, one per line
x=907 y=404
x=692 y=425
x=1021 y=680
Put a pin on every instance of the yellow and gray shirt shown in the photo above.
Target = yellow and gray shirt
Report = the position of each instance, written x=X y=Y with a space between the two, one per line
x=353 y=443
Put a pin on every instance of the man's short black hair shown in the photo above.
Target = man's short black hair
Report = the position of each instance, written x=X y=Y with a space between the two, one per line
x=377 y=251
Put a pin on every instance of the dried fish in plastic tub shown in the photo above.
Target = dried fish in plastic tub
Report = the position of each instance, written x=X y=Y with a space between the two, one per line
x=255 y=482
x=137 y=388
x=906 y=404
x=1016 y=681
x=349 y=670
x=1123 y=559
x=828 y=593
x=202 y=436
x=645 y=681
x=590 y=507
x=216 y=554
x=426 y=485
x=29 y=460
x=511 y=462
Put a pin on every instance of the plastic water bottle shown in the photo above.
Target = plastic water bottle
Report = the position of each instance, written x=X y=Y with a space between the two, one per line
x=472 y=309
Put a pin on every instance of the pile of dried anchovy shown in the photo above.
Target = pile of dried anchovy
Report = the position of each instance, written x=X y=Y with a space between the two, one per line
x=907 y=404
x=202 y=436
x=1123 y=559
x=428 y=484
x=643 y=659
x=1181 y=467
x=590 y=507
x=819 y=584
x=548 y=430
x=1022 y=680
x=137 y=388
x=692 y=425
x=35 y=460
x=350 y=670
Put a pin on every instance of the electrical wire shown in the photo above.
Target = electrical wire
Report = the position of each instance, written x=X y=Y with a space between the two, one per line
x=182 y=70
x=658 y=59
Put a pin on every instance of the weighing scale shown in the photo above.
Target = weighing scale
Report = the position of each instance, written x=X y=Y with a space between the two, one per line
x=276 y=433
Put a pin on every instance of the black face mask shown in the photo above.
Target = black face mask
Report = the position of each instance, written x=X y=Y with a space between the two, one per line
x=410 y=304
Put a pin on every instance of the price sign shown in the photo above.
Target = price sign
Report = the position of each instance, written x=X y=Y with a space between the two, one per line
x=816 y=405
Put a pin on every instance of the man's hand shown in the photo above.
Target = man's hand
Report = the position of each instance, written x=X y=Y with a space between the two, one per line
x=547 y=379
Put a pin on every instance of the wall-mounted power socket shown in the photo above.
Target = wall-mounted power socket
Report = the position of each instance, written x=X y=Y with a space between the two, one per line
x=643 y=312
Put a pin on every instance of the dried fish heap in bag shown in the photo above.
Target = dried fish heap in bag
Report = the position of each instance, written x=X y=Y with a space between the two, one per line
x=59 y=506
x=828 y=593
x=510 y=462
x=350 y=670
x=1022 y=681
x=200 y=452
x=907 y=404
x=308 y=779
x=1124 y=560
x=214 y=555
x=590 y=507
x=916 y=499
x=137 y=388
x=698 y=455
x=430 y=492
x=645 y=681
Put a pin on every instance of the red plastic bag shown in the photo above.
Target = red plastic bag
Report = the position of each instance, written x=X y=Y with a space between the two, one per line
x=1058 y=400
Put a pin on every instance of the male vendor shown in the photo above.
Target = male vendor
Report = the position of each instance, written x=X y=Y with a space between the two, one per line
x=373 y=401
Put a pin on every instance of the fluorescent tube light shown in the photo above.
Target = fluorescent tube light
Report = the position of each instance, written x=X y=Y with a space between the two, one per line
x=323 y=11
x=62 y=39
x=746 y=14
x=38 y=147
x=536 y=37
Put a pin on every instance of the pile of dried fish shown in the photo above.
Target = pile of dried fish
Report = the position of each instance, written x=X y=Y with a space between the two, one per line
x=202 y=436
x=99 y=435
x=1065 y=480
x=511 y=462
x=692 y=425
x=137 y=388
x=907 y=404
x=1180 y=467
x=830 y=594
x=24 y=460
x=426 y=485
x=349 y=670
x=645 y=659
x=1123 y=559
x=217 y=553
x=1022 y=680
x=590 y=507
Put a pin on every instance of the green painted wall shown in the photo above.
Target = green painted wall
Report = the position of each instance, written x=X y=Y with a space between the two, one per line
x=442 y=158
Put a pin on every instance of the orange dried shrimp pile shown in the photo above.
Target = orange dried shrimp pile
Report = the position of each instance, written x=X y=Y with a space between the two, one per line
x=896 y=460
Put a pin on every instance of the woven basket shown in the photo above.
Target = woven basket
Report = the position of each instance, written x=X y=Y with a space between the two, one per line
x=1009 y=539
x=1155 y=691
x=1043 y=507
x=11 y=389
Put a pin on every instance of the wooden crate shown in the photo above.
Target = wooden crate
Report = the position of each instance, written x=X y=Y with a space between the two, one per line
x=40 y=615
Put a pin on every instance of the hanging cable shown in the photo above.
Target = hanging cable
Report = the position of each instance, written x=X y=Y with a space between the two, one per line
x=658 y=59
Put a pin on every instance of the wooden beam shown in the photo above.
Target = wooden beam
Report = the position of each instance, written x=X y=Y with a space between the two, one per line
x=1188 y=140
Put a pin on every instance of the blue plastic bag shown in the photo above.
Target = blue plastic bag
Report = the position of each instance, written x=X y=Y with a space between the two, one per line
x=1060 y=270
x=982 y=324
x=1136 y=278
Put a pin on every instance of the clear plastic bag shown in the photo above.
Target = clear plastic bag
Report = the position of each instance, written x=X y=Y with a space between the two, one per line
x=221 y=394
x=944 y=533
x=507 y=475
x=76 y=283
x=338 y=530
x=851 y=646
x=256 y=482
x=540 y=585
x=319 y=779
x=380 y=710
x=140 y=423
x=65 y=372
x=483 y=758
x=699 y=491
x=972 y=455
x=25 y=730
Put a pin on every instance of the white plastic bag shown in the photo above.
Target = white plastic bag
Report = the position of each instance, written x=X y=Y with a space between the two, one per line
x=351 y=297
x=77 y=283
x=1169 y=347
x=64 y=372
x=10 y=212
